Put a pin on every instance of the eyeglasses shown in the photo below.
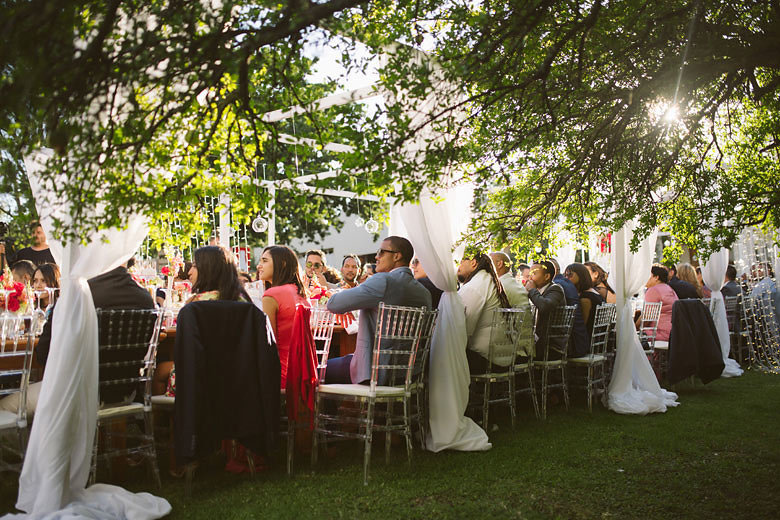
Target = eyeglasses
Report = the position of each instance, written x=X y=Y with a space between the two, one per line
x=315 y=265
x=383 y=251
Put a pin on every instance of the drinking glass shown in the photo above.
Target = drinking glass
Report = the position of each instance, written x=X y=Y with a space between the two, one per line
x=39 y=315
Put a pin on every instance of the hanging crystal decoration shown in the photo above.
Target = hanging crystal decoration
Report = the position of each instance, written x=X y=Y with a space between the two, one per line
x=259 y=224
x=359 y=222
x=372 y=226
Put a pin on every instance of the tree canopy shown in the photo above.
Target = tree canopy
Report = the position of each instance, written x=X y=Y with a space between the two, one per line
x=597 y=111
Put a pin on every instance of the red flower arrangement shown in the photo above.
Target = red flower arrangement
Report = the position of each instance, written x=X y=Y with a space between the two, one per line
x=166 y=271
x=16 y=298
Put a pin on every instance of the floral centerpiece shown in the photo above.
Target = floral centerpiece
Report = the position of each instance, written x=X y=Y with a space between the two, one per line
x=175 y=264
x=319 y=294
x=17 y=299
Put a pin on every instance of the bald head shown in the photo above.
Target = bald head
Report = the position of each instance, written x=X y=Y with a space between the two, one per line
x=501 y=261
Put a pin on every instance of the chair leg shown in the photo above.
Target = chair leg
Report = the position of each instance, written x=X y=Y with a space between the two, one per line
x=408 y=431
x=532 y=386
x=388 y=434
x=290 y=446
x=154 y=470
x=93 y=470
x=315 y=437
x=590 y=388
x=486 y=406
x=565 y=386
x=544 y=393
x=367 y=442
x=512 y=411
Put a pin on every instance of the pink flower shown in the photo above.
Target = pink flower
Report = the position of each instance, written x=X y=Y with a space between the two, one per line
x=13 y=302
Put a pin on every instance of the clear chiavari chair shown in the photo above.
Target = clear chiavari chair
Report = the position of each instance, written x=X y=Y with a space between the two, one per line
x=393 y=381
x=730 y=302
x=648 y=326
x=524 y=359
x=557 y=339
x=502 y=350
x=127 y=350
x=595 y=362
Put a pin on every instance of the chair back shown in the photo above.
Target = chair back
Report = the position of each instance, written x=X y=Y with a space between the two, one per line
x=731 y=311
x=127 y=350
x=558 y=328
x=708 y=303
x=602 y=324
x=15 y=364
x=322 y=322
x=505 y=336
x=396 y=340
x=648 y=322
x=429 y=320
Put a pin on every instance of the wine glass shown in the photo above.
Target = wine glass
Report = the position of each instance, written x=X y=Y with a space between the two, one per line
x=5 y=317
x=39 y=315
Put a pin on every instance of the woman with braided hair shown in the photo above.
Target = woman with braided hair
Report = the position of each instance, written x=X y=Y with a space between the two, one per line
x=482 y=293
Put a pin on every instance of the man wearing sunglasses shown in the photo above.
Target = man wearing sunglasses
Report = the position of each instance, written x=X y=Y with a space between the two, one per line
x=315 y=268
x=392 y=284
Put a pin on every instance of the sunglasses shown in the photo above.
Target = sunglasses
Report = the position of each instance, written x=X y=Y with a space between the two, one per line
x=315 y=265
x=383 y=251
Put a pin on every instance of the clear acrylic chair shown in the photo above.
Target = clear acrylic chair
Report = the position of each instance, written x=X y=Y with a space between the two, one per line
x=502 y=350
x=595 y=362
x=524 y=360
x=732 y=319
x=127 y=347
x=419 y=414
x=394 y=373
x=322 y=322
x=558 y=331
x=648 y=325
x=16 y=357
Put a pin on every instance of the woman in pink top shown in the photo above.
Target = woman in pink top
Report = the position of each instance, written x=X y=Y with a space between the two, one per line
x=284 y=291
x=659 y=291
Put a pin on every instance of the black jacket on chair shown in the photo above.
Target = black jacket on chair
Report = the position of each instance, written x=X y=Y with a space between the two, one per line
x=227 y=379
x=694 y=347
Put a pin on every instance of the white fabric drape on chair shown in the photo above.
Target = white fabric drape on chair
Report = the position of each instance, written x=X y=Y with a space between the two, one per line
x=634 y=388
x=433 y=227
x=714 y=273
x=57 y=463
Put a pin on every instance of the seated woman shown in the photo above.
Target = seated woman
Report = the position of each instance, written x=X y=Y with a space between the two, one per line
x=658 y=290
x=284 y=292
x=599 y=279
x=46 y=275
x=214 y=277
x=706 y=292
x=686 y=272
x=579 y=275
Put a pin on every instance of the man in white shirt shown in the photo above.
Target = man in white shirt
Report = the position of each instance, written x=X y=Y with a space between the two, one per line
x=481 y=293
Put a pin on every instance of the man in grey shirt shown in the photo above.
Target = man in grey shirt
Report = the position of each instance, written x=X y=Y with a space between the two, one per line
x=392 y=284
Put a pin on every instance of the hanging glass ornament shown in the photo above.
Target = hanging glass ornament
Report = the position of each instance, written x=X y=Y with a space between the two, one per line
x=372 y=226
x=259 y=224
x=359 y=222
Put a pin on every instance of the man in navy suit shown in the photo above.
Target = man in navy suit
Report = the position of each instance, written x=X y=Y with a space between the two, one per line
x=392 y=284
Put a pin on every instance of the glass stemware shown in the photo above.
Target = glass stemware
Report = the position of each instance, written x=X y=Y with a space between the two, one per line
x=6 y=317
x=39 y=315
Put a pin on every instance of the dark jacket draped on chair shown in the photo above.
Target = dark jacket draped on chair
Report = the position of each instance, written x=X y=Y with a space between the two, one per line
x=694 y=347
x=227 y=379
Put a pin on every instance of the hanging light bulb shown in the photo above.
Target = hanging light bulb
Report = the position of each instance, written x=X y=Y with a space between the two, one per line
x=538 y=249
x=259 y=224
x=667 y=243
x=372 y=226
x=359 y=222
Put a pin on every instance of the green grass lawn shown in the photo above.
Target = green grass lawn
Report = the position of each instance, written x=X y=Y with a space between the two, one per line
x=717 y=455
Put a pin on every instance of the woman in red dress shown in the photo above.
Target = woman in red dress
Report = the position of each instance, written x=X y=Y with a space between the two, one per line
x=284 y=292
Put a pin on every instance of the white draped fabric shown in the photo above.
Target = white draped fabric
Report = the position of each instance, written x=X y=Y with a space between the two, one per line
x=634 y=389
x=57 y=463
x=714 y=273
x=433 y=226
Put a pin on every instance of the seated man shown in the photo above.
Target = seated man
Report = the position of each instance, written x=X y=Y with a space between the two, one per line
x=518 y=298
x=392 y=284
x=482 y=294
x=547 y=297
x=350 y=271
x=731 y=287
x=23 y=271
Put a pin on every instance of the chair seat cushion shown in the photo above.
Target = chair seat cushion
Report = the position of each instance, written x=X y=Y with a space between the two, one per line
x=661 y=345
x=115 y=411
x=551 y=363
x=363 y=390
x=7 y=419
x=163 y=400
x=589 y=359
